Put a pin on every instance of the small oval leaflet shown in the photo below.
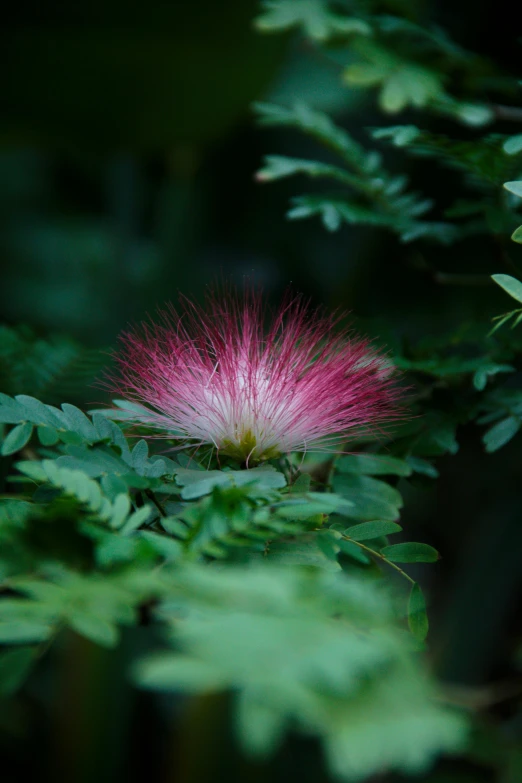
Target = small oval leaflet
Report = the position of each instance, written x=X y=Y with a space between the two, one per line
x=368 y=530
x=501 y=433
x=411 y=552
x=417 y=617
x=511 y=285
x=516 y=236
x=17 y=438
x=514 y=187
x=513 y=145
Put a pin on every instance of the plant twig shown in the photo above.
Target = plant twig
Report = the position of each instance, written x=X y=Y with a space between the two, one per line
x=510 y=113
x=384 y=559
x=150 y=494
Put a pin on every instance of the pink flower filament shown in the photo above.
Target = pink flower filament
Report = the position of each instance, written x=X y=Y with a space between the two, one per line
x=216 y=377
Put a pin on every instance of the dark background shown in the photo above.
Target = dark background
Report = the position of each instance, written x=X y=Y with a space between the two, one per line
x=127 y=159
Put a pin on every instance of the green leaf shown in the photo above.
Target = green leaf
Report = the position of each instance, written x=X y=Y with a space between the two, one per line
x=113 y=549
x=177 y=672
x=368 y=530
x=32 y=469
x=314 y=16
x=125 y=411
x=165 y=546
x=79 y=485
x=301 y=484
x=516 y=236
x=95 y=628
x=23 y=632
x=94 y=462
x=417 y=616
x=514 y=187
x=510 y=284
x=353 y=551
x=373 y=464
x=372 y=499
x=70 y=437
x=113 y=486
x=14 y=513
x=474 y=114
x=72 y=482
x=260 y=729
x=55 y=368
x=79 y=423
x=278 y=167
x=318 y=125
x=11 y=411
x=501 y=433
x=312 y=550
x=480 y=378
x=120 y=510
x=139 y=455
x=48 y=436
x=513 y=145
x=364 y=74
x=267 y=634
x=310 y=505
x=411 y=552
x=136 y=520
x=17 y=438
x=399 y=135
x=197 y=483
x=422 y=466
x=38 y=413
x=394 y=94
x=409 y=84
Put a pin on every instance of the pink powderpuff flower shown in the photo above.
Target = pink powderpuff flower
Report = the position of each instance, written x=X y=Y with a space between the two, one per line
x=216 y=376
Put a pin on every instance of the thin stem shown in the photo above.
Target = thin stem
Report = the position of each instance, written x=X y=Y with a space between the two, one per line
x=510 y=113
x=150 y=494
x=374 y=553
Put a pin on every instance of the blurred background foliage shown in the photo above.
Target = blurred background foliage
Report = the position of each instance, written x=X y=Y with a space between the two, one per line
x=127 y=161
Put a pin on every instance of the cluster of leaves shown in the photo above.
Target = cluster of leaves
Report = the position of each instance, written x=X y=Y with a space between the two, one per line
x=377 y=197
x=293 y=665
x=418 y=67
x=268 y=582
x=411 y=65
x=101 y=531
x=453 y=387
x=52 y=368
x=381 y=199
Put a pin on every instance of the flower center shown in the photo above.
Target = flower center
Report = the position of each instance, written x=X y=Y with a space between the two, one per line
x=246 y=448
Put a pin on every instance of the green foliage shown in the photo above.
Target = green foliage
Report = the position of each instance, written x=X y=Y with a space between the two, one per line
x=295 y=587
x=402 y=82
x=292 y=666
x=381 y=199
x=502 y=410
x=51 y=368
x=413 y=66
x=313 y=16
x=417 y=616
x=514 y=288
x=376 y=197
x=101 y=529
